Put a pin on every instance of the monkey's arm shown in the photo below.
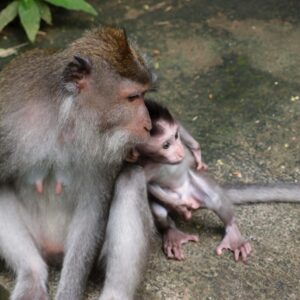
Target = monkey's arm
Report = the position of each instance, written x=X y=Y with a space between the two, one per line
x=193 y=146
x=84 y=237
x=174 y=201
x=168 y=197
x=129 y=229
x=172 y=238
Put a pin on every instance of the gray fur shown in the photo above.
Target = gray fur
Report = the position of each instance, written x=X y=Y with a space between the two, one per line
x=281 y=192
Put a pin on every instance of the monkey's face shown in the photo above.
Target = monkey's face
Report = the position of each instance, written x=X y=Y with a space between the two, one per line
x=132 y=114
x=120 y=106
x=165 y=147
x=108 y=101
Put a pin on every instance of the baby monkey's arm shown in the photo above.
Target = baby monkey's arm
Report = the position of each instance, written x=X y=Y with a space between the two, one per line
x=193 y=146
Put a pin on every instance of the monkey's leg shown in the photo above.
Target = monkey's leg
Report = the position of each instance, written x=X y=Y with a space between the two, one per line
x=85 y=235
x=19 y=250
x=129 y=229
x=215 y=198
x=172 y=237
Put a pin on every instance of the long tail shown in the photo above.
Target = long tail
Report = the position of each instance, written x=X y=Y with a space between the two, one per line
x=264 y=193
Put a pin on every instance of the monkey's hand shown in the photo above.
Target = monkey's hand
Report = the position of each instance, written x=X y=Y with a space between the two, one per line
x=234 y=241
x=200 y=165
x=185 y=210
x=173 y=239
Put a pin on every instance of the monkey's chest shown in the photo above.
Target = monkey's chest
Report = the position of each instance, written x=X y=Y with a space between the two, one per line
x=49 y=212
x=171 y=177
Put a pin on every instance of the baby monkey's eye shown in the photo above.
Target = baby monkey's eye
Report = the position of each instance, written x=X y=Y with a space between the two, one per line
x=176 y=135
x=166 y=145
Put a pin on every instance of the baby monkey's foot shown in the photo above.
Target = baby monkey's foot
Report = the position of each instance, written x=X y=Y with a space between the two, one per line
x=173 y=239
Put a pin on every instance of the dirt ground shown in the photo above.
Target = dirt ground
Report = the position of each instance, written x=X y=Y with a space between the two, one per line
x=230 y=71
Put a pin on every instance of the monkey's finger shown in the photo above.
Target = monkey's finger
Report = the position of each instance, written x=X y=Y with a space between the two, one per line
x=236 y=254
x=244 y=254
x=201 y=166
x=170 y=252
x=248 y=248
x=194 y=238
x=178 y=253
x=219 y=250
x=186 y=214
x=165 y=248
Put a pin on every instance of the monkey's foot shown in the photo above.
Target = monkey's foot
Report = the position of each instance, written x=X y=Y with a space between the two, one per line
x=234 y=241
x=173 y=239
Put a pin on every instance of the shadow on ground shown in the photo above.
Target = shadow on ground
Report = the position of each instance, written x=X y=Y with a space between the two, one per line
x=231 y=71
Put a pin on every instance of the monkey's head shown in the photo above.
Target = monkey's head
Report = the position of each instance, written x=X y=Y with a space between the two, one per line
x=164 y=144
x=107 y=78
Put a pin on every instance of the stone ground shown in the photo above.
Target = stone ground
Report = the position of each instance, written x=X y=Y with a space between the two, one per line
x=230 y=70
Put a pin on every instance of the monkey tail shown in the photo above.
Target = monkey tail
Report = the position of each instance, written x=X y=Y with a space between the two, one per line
x=265 y=193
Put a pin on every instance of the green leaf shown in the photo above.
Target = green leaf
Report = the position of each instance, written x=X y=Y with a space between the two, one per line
x=74 y=5
x=45 y=12
x=8 y=14
x=30 y=17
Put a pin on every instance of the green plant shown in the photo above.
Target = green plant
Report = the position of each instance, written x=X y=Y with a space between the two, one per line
x=31 y=12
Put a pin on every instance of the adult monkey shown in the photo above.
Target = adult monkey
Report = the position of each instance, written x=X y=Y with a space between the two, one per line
x=68 y=118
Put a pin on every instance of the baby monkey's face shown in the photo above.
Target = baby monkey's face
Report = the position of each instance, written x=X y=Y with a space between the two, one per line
x=164 y=146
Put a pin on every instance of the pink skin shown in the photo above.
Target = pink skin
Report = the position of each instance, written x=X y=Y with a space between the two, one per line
x=185 y=210
x=234 y=242
x=39 y=186
x=58 y=188
x=162 y=150
x=173 y=239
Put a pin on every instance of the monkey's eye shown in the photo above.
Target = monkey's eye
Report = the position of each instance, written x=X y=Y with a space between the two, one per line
x=176 y=135
x=166 y=145
x=133 y=97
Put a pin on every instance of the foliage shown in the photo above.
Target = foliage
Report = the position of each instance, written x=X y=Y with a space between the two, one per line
x=31 y=12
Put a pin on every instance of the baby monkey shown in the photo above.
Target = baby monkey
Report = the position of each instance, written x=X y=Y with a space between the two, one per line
x=177 y=183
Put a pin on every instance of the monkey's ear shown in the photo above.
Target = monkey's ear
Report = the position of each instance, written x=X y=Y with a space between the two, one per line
x=76 y=74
